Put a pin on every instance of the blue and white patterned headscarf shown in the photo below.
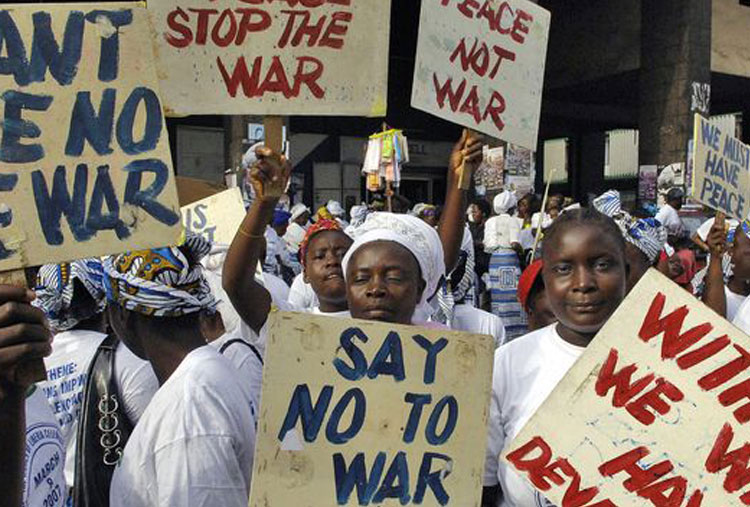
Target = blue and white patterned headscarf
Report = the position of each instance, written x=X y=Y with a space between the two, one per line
x=163 y=282
x=647 y=234
x=55 y=284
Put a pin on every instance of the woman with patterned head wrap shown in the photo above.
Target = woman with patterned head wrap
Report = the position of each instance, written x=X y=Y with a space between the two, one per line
x=73 y=299
x=501 y=241
x=644 y=238
x=194 y=444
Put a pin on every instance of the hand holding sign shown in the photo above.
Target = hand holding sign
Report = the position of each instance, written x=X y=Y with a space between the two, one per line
x=270 y=174
x=24 y=339
x=717 y=236
x=465 y=158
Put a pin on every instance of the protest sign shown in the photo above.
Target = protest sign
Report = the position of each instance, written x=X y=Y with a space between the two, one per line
x=216 y=218
x=654 y=412
x=481 y=64
x=312 y=57
x=369 y=413
x=85 y=167
x=720 y=170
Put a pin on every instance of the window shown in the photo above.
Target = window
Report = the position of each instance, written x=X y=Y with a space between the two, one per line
x=621 y=154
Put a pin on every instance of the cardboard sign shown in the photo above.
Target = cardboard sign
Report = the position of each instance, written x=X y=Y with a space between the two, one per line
x=85 y=168
x=314 y=57
x=655 y=412
x=368 y=413
x=481 y=64
x=721 y=170
x=217 y=218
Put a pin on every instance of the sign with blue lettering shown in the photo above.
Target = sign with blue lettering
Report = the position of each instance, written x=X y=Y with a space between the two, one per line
x=370 y=413
x=721 y=170
x=217 y=217
x=85 y=167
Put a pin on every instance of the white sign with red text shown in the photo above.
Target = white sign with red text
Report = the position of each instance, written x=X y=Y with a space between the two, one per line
x=480 y=63
x=282 y=57
x=655 y=412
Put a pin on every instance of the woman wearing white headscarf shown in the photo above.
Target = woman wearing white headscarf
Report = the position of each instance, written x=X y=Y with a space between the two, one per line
x=297 y=228
x=501 y=242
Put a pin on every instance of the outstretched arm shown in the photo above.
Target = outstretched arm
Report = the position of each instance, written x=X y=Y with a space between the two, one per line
x=713 y=295
x=252 y=301
x=467 y=152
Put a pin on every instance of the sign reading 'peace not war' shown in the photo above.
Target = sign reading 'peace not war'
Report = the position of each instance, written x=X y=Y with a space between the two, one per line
x=282 y=57
x=655 y=412
x=85 y=168
x=721 y=170
x=480 y=64
x=368 y=413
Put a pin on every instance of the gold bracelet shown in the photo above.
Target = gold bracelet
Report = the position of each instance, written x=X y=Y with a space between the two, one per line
x=248 y=235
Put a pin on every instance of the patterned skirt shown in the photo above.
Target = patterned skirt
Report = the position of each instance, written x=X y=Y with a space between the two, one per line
x=505 y=270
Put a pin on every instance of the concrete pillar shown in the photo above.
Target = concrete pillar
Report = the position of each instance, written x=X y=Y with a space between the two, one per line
x=675 y=76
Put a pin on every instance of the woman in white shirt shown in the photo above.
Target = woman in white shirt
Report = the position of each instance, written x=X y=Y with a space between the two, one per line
x=501 y=242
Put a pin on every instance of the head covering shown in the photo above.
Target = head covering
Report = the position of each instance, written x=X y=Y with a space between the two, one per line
x=163 y=282
x=526 y=282
x=323 y=214
x=280 y=217
x=413 y=234
x=55 y=289
x=504 y=201
x=646 y=234
x=358 y=214
x=319 y=226
x=675 y=193
x=249 y=158
x=335 y=208
x=298 y=210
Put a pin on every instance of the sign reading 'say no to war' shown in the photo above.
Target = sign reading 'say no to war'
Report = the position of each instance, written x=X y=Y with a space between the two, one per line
x=280 y=57
x=85 y=168
x=369 y=413
x=480 y=63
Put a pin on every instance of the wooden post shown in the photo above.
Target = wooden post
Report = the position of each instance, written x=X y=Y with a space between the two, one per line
x=541 y=214
x=464 y=176
x=274 y=129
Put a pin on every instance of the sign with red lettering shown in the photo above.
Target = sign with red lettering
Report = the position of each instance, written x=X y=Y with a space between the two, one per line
x=275 y=57
x=480 y=63
x=655 y=412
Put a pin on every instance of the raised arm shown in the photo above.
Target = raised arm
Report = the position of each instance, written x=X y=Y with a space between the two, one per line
x=714 y=295
x=467 y=151
x=269 y=177
x=24 y=339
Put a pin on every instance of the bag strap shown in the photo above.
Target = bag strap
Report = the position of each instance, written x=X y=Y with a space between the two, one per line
x=226 y=345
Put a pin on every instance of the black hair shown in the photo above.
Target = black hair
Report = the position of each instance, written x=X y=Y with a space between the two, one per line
x=585 y=216
x=483 y=206
x=536 y=288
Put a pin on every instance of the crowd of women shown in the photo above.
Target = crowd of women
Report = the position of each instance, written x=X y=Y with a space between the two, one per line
x=154 y=358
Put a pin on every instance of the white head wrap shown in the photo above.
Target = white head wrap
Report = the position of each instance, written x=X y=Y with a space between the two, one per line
x=249 y=158
x=297 y=211
x=504 y=201
x=411 y=233
x=335 y=208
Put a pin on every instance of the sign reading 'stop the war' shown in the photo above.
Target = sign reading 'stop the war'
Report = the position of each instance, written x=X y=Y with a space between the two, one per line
x=480 y=64
x=281 y=57
x=655 y=412
x=85 y=167
x=370 y=413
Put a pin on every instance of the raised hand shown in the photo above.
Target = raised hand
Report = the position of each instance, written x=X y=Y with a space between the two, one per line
x=269 y=176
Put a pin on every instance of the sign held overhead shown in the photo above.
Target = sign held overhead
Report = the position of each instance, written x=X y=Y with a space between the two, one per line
x=481 y=64
x=85 y=167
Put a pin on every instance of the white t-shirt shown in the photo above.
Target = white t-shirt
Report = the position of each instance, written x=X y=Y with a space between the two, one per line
x=275 y=286
x=67 y=372
x=525 y=372
x=501 y=232
x=734 y=302
x=742 y=316
x=473 y=320
x=302 y=295
x=44 y=483
x=669 y=218
x=194 y=444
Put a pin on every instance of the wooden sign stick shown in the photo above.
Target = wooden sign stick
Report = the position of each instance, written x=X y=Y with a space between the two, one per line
x=542 y=212
x=274 y=132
